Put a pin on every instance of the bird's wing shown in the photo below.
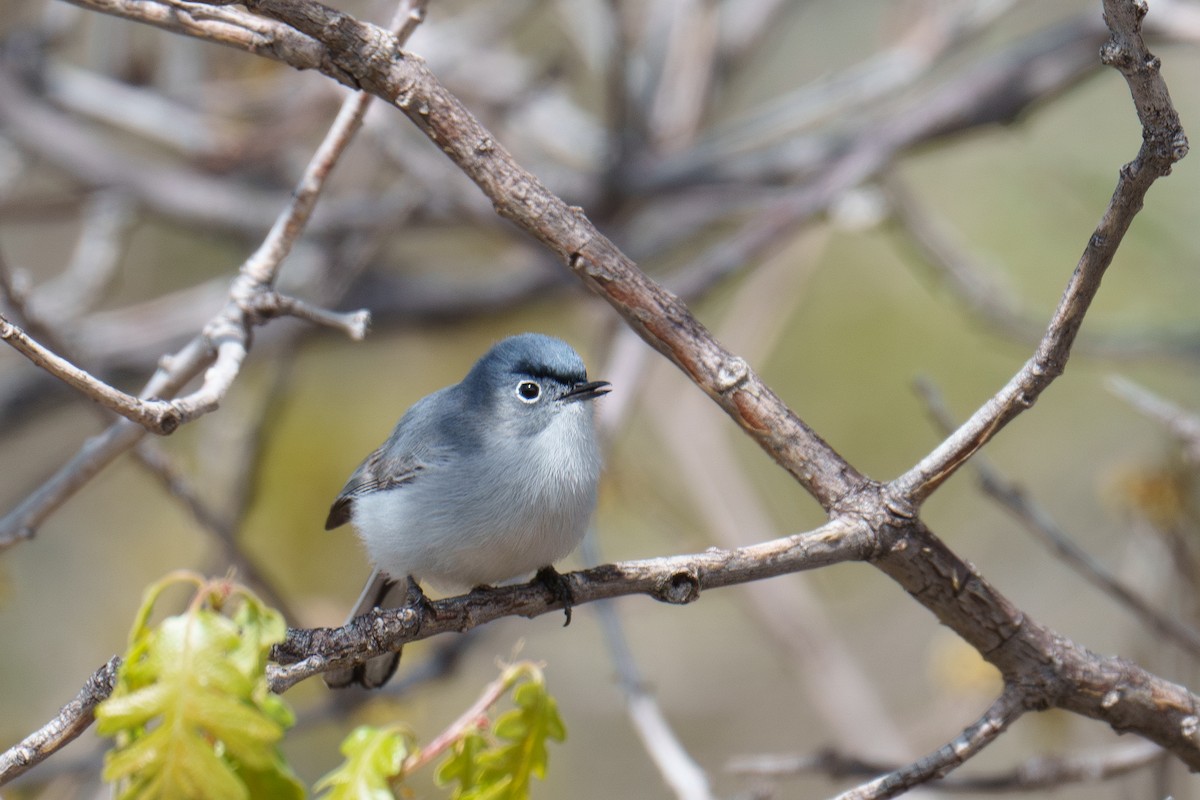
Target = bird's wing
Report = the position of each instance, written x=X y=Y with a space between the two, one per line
x=380 y=471
x=419 y=442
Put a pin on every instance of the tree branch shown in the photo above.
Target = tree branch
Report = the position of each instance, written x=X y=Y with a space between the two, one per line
x=870 y=521
x=72 y=720
x=675 y=579
x=1163 y=143
x=156 y=416
x=1016 y=501
x=367 y=57
x=1001 y=714
x=224 y=341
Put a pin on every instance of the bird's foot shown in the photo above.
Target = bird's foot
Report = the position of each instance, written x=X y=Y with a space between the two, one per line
x=559 y=587
x=417 y=600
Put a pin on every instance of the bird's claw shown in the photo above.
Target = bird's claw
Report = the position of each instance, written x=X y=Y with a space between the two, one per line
x=559 y=587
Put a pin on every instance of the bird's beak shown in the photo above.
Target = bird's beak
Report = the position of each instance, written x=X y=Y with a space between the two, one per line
x=586 y=391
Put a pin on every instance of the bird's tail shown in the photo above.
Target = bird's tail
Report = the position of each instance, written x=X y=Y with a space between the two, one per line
x=379 y=670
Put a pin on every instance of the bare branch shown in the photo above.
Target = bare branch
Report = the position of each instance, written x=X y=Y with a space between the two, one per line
x=1121 y=694
x=676 y=579
x=366 y=54
x=272 y=304
x=157 y=416
x=223 y=343
x=99 y=451
x=1163 y=143
x=1001 y=714
x=222 y=24
x=869 y=521
x=72 y=720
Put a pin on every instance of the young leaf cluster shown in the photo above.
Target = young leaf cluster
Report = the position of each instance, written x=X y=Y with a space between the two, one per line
x=191 y=713
x=485 y=762
x=501 y=764
x=374 y=758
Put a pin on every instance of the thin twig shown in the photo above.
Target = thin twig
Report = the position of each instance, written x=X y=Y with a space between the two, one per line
x=159 y=464
x=157 y=416
x=474 y=717
x=1163 y=144
x=98 y=452
x=353 y=324
x=974 y=738
x=72 y=720
x=225 y=339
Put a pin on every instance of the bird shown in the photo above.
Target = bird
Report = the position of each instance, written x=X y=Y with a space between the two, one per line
x=481 y=482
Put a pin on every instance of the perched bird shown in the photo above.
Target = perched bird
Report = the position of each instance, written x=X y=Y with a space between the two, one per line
x=480 y=482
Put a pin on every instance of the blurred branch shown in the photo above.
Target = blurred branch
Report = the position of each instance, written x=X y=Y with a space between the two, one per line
x=137 y=109
x=365 y=53
x=223 y=344
x=72 y=720
x=1163 y=143
x=179 y=192
x=678 y=769
x=869 y=521
x=825 y=166
x=768 y=143
x=223 y=528
x=99 y=451
x=731 y=510
x=996 y=305
x=1037 y=520
x=905 y=549
x=159 y=464
x=983 y=297
x=1008 y=706
x=1043 y=772
x=108 y=216
x=627 y=366
x=1184 y=425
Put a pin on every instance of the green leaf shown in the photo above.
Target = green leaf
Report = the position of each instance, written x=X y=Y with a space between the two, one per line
x=191 y=713
x=462 y=764
x=374 y=756
x=504 y=769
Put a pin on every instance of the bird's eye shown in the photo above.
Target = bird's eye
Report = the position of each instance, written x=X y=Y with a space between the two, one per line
x=528 y=391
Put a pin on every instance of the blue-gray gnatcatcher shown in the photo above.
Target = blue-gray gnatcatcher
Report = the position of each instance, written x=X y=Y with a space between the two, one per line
x=480 y=482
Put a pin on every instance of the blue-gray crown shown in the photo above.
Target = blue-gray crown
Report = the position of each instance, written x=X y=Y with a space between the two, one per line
x=533 y=354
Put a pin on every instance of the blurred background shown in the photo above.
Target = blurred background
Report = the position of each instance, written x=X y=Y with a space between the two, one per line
x=853 y=197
